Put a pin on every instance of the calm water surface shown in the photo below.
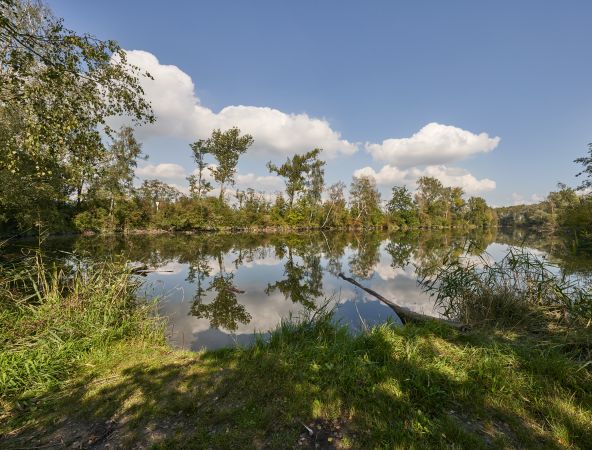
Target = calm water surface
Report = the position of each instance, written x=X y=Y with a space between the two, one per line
x=219 y=290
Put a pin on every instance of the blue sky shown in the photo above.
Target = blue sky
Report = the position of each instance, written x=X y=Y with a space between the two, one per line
x=354 y=74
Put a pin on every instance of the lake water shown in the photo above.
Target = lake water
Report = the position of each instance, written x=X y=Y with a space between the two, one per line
x=218 y=290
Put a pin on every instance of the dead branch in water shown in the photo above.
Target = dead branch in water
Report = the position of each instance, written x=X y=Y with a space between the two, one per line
x=405 y=314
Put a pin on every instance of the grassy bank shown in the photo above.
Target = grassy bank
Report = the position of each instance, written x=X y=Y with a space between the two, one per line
x=409 y=387
x=52 y=318
x=85 y=366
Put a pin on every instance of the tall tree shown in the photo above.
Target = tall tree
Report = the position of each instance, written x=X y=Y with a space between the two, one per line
x=402 y=208
x=158 y=191
x=365 y=200
x=335 y=206
x=114 y=182
x=478 y=212
x=432 y=201
x=198 y=185
x=227 y=147
x=57 y=90
x=585 y=161
x=301 y=173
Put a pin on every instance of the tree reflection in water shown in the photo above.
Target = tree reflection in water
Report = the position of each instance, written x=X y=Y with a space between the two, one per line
x=224 y=311
x=363 y=262
x=292 y=265
x=303 y=282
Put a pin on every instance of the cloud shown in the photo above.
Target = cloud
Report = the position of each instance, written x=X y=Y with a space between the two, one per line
x=266 y=183
x=449 y=176
x=519 y=199
x=166 y=170
x=179 y=113
x=433 y=144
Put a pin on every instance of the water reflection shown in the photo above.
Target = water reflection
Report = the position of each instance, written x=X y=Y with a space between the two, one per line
x=217 y=290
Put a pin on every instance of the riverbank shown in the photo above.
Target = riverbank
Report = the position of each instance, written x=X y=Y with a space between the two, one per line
x=234 y=229
x=84 y=364
x=417 y=386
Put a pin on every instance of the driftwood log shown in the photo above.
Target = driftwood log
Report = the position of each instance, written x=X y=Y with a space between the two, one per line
x=405 y=314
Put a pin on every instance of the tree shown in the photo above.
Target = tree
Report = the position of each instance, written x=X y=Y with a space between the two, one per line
x=227 y=147
x=57 y=90
x=335 y=206
x=431 y=201
x=586 y=161
x=114 y=181
x=479 y=213
x=116 y=176
x=301 y=173
x=365 y=200
x=158 y=191
x=198 y=185
x=402 y=208
x=457 y=204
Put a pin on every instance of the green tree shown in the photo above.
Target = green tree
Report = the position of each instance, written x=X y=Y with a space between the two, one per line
x=198 y=185
x=432 y=201
x=402 y=208
x=335 y=208
x=479 y=213
x=585 y=161
x=560 y=203
x=57 y=90
x=227 y=147
x=301 y=173
x=114 y=181
x=158 y=191
x=365 y=201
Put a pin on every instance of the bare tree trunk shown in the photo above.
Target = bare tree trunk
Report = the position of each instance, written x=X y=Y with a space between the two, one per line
x=405 y=314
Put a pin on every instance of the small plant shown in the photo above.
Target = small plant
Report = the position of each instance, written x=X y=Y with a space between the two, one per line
x=518 y=287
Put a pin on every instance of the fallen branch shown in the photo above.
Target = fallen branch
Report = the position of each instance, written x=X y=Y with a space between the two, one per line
x=405 y=314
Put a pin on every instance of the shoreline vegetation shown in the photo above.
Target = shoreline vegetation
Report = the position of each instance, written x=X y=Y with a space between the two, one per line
x=84 y=364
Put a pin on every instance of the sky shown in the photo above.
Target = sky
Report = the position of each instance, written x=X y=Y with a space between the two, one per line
x=495 y=97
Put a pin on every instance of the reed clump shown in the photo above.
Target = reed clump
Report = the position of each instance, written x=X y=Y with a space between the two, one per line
x=518 y=289
x=52 y=315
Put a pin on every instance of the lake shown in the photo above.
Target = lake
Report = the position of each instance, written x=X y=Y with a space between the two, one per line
x=219 y=290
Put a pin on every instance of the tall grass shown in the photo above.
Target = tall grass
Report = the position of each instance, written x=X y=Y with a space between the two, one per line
x=52 y=316
x=519 y=287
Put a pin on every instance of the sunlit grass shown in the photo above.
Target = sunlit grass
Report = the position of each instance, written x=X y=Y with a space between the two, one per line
x=419 y=386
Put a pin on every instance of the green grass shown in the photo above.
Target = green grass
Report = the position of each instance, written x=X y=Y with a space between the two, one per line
x=419 y=386
x=51 y=318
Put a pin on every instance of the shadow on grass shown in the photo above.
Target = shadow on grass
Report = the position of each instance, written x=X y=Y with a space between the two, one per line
x=413 y=387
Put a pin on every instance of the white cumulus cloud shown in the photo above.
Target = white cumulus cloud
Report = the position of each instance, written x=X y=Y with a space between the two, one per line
x=449 y=176
x=179 y=113
x=265 y=183
x=433 y=144
x=166 y=170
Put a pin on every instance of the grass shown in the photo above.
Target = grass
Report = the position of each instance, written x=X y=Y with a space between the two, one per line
x=418 y=386
x=84 y=365
x=51 y=317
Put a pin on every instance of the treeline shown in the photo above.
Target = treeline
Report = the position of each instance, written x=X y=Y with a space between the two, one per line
x=112 y=203
x=63 y=168
x=566 y=210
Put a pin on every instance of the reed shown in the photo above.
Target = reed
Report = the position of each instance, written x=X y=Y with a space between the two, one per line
x=53 y=315
x=518 y=288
